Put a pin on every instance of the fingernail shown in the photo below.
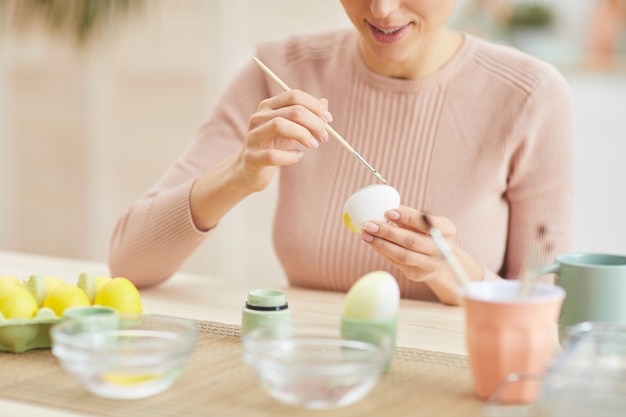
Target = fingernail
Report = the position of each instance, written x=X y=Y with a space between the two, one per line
x=371 y=227
x=393 y=215
x=367 y=237
x=314 y=142
x=300 y=154
x=326 y=137
x=327 y=115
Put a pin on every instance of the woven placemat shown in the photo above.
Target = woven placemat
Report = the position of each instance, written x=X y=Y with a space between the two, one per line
x=218 y=383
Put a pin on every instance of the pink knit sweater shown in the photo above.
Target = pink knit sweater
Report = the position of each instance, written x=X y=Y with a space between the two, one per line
x=486 y=142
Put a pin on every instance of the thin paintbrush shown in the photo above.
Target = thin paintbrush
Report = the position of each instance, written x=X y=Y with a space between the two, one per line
x=447 y=253
x=330 y=130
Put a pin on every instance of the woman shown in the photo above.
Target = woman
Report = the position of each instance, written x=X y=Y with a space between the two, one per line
x=477 y=135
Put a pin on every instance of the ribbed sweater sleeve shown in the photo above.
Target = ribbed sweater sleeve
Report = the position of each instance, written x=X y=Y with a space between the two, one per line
x=156 y=234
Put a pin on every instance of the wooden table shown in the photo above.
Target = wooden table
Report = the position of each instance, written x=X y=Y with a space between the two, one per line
x=422 y=325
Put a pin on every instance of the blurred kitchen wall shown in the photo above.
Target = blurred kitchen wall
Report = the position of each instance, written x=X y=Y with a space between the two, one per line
x=85 y=130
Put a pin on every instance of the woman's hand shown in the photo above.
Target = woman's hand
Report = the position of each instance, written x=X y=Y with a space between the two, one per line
x=282 y=127
x=277 y=133
x=406 y=243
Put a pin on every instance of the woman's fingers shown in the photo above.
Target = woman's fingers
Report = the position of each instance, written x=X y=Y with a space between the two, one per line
x=406 y=243
x=421 y=253
x=296 y=97
x=411 y=218
x=294 y=115
x=398 y=242
x=278 y=132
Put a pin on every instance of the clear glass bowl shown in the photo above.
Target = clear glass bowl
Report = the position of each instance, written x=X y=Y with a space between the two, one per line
x=589 y=377
x=124 y=358
x=311 y=365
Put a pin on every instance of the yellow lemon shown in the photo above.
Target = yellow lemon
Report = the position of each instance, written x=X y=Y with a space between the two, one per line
x=65 y=296
x=9 y=280
x=91 y=285
x=40 y=286
x=51 y=282
x=7 y=284
x=19 y=304
x=101 y=281
x=121 y=294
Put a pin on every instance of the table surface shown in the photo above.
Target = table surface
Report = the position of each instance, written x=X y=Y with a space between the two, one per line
x=422 y=325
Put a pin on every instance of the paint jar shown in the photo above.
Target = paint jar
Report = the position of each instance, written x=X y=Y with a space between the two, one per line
x=264 y=307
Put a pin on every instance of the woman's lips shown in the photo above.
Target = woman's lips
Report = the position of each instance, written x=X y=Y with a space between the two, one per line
x=388 y=34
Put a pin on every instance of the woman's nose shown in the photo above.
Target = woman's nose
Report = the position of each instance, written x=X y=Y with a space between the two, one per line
x=383 y=8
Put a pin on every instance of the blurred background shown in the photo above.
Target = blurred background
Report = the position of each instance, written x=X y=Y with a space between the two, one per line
x=98 y=97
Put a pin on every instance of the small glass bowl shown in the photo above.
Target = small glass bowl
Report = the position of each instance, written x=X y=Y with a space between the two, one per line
x=124 y=358
x=310 y=365
x=589 y=377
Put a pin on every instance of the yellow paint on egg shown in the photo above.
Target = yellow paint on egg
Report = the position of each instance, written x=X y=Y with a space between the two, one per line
x=348 y=222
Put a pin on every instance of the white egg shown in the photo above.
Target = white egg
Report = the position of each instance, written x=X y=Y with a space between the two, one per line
x=375 y=296
x=369 y=203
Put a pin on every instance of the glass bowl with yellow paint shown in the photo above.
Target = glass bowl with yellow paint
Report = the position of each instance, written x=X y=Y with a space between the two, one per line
x=125 y=358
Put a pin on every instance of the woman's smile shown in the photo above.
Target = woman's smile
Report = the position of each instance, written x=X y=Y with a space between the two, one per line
x=388 y=34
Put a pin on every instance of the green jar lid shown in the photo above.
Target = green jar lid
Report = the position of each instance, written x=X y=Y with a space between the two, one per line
x=267 y=298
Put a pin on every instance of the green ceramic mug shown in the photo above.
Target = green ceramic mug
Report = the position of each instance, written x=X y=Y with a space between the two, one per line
x=595 y=286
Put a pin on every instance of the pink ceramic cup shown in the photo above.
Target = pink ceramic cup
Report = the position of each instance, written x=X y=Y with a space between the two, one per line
x=507 y=334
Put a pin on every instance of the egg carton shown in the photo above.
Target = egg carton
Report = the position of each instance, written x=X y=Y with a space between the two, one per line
x=20 y=335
